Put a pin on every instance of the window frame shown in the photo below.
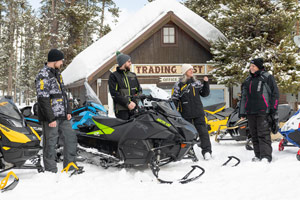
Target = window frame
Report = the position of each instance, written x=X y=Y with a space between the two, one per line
x=175 y=36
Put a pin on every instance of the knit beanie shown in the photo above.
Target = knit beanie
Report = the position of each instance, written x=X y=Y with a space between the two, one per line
x=122 y=58
x=55 y=55
x=258 y=62
x=185 y=68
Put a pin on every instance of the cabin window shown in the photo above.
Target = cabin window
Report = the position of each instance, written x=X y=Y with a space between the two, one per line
x=169 y=36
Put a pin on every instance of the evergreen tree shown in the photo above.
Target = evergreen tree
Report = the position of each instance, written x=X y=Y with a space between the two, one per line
x=254 y=28
x=112 y=9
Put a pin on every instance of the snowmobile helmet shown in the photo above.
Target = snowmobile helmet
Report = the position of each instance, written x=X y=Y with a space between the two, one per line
x=258 y=62
x=185 y=68
x=122 y=58
x=55 y=55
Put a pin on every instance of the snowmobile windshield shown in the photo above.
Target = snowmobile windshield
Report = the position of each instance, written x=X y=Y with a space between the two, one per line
x=90 y=94
x=169 y=108
x=7 y=108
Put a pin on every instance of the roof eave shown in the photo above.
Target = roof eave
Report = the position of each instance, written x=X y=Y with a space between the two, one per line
x=169 y=16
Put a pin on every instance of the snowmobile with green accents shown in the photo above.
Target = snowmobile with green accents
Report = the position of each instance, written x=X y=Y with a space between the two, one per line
x=155 y=136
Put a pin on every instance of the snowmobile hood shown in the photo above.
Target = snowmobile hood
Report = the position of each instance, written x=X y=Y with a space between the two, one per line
x=13 y=126
x=292 y=123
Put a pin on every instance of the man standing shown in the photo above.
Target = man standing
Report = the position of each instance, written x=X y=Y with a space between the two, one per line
x=54 y=112
x=122 y=84
x=259 y=99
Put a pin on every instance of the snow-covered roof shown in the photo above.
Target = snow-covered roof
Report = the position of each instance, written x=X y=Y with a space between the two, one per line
x=93 y=57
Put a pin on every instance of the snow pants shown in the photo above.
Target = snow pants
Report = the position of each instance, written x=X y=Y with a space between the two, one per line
x=261 y=138
x=201 y=127
x=50 y=138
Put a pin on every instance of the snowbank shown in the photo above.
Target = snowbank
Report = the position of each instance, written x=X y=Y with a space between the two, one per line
x=249 y=180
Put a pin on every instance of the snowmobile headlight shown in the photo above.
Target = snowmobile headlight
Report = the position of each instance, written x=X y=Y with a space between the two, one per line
x=15 y=123
x=102 y=113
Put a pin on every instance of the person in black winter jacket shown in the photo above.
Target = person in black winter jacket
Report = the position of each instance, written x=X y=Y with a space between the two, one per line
x=122 y=84
x=54 y=112
x=185 y=96
x=259 y=99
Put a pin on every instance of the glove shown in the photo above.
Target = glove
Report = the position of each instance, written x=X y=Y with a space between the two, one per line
x=272 y=111
x=273 y=120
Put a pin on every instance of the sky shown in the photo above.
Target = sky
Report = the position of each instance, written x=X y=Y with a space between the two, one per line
x=130 y=6
x=127 y=7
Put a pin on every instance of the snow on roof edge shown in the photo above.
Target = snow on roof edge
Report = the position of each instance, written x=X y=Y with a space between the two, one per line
x=94 y=56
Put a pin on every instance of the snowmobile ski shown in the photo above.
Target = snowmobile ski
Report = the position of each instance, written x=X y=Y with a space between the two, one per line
x=76 y=169
x=186 y=179
x=5 y=181
x=230 y=158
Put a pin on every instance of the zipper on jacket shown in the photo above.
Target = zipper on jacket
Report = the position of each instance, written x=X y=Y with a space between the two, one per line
x=194 y=91
x=250 y=87
x=183 y=87
x=265 y=100
x=127 y=83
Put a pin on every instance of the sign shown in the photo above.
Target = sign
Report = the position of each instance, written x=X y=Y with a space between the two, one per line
x=297 y=40
x=165 y=69
x=168 y=79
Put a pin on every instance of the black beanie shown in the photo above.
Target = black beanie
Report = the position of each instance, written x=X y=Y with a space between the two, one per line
x=258 y=62
x=122 y=58
x=55 y=55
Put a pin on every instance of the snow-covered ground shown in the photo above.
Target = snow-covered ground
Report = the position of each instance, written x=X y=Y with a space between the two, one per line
x=249 y=180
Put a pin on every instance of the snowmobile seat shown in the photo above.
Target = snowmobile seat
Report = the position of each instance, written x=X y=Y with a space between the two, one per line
x=109 y=121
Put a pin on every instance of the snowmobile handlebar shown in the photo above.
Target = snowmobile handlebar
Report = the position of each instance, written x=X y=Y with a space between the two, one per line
x=147 y=97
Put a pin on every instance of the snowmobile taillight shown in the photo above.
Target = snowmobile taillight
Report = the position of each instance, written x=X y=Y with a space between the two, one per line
x=183 y=145
x=242 y=127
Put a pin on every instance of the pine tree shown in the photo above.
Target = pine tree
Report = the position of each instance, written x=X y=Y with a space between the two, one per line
x=113 y=9
x=258 y=28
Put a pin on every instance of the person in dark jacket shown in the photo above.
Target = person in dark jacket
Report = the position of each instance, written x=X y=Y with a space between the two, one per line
x=122 y=84
x=54 y=112
x=185 y=96
x=259 y=99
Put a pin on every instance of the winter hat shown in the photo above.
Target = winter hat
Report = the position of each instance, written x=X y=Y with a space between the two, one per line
x=55 y=55
x=258 y=62
x=185 y=68
x=122 y=58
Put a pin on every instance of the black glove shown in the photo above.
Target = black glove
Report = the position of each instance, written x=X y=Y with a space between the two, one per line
x=273 y=119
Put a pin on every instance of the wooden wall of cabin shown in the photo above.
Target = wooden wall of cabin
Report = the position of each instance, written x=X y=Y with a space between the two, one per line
x=186 y=50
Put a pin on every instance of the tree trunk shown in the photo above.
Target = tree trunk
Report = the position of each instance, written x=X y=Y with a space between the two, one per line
x=54 y=26
x=11 y=46
x=16 y=65
x=85 y=38
x=102 y=18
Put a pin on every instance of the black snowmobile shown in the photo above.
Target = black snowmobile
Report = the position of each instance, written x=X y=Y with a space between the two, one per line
x=18 y=142
x=154 y=136
x=237 y=129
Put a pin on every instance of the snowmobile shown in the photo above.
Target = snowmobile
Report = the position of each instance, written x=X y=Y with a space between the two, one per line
x=217 y=115
x=154 y=136
x=92 y=106
x=238 y=129
x=32 y=117
x=18 y=142
x=291 y=133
